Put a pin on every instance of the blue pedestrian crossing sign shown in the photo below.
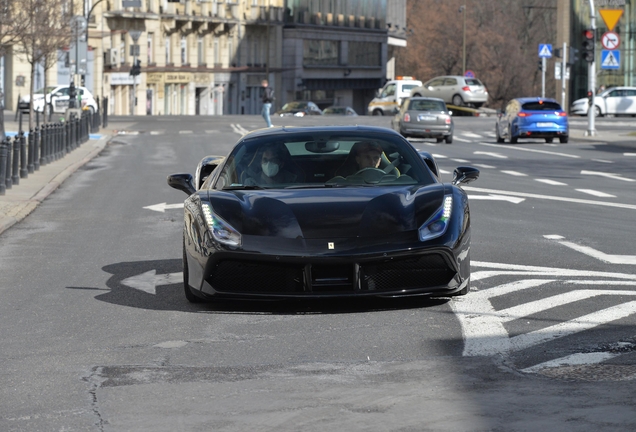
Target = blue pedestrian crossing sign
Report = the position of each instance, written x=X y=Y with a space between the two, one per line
x=610 y=59
x=545 y=50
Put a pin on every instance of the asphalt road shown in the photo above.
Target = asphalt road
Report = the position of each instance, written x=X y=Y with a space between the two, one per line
x=97 y=336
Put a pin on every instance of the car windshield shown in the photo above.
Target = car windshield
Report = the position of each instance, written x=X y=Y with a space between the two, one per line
x=46 y=90
x=323 y=160
x=294 y=105
x=427 y=105
x=541 y=106
x=334 y=110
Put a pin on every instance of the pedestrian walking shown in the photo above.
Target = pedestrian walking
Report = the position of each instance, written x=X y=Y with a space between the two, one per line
x=268 y=98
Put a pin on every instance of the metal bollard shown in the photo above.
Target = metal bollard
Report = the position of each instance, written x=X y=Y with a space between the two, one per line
x=30 y=153
x=36 y=149
x=15 y=176
x=3 y=166
x=24 y=172
x=9 y=164
x=43 y=160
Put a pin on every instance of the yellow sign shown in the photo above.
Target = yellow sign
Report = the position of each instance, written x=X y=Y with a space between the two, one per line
x=178 y=77
x=154 y=78
x=611 y=17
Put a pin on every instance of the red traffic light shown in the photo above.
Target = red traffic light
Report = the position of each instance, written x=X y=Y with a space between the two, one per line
x=588 y=34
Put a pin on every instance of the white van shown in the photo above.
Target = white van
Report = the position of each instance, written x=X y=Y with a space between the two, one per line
x=390 y=96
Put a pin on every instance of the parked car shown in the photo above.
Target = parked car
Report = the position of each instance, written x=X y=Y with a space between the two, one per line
x=454 y=89
x=390 y=97
x=58 y=99
x=339 y=110
x=532 y=117
x=323 y=224
x=299 y=109
x=615 y=101
x=24 y=102
x=424 y=117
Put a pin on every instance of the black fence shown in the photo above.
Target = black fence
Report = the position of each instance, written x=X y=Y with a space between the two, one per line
x=24 y=155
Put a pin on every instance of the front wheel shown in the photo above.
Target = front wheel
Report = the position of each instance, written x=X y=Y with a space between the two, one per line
x=378 y=112
x=457 y=100
x=563 y=139
x=597 y=111
x=548 y=140
x=514 y=140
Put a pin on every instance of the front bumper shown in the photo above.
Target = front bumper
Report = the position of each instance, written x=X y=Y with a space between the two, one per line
x=427 y=131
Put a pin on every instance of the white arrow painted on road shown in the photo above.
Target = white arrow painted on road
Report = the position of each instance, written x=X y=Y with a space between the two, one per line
x=148 y=282
x=601 y=256
x=491 y=197
x=162 y=207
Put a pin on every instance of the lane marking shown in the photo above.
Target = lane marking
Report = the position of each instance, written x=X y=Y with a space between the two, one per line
x=596 y=193
x=442 y=171
x=439 y=156
x=608 y=175
x=629 y=154
x=461 y=139
x=602 y=161
x=148 y=281
x=514 y=173
x=471 y=135
x=577 y=359
x=157 y=132
x=551 y=182
x=533 y=150
x=485 y=166
x=185 y=132
x=552 y=198
x=491 y=197
x=460 y=160
x=162 y=207
x=495 y=155
x=601 y=256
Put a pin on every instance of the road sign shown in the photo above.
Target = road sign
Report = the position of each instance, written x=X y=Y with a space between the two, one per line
x=469 y=74
x=610 y=40
x=610 y=59
x=611 y=17
x=134 y=34
x=545 y=50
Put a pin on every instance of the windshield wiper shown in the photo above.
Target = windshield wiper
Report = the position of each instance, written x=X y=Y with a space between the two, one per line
x=243 y=187
x=316 y=186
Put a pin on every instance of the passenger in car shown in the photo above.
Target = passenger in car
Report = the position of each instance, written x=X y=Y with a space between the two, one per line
x=271 y=169
x=363 y=154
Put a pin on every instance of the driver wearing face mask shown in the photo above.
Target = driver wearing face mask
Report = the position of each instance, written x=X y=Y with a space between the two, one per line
x=272 y=168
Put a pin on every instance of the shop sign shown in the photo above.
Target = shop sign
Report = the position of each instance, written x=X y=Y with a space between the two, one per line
x=174 y=77
x=154 y=78
x=202 y=78
x=122 y=78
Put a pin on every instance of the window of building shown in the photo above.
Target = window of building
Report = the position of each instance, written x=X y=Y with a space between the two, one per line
x=151 y=57
x=320 y=52
x=217 y=54
x=168 y=53
x=230 y=52
x=122 y=49
x=364 y=53
x=184 y=50
x=200 y=52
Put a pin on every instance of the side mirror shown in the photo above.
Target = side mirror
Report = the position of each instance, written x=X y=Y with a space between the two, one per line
x=182 y=182
x=464 y=175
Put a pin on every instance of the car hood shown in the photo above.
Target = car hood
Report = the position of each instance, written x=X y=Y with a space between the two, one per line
x=328 y=213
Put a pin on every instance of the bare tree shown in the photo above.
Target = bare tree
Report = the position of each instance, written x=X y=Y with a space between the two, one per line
x=10 y=29
x=502 y=38
x=48 y=30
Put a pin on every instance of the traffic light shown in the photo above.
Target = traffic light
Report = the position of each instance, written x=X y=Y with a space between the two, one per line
x=573 y=56
x=588 y=45
x=557 y=52
x=136 y=69
x=540 y=65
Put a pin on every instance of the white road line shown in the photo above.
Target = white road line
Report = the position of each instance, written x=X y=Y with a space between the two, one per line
x=514 y=173
x=596 y=193
x=552 y=198
x=185 y=132
x=629 y=154
x=511 y=287
x=444 y=171
x=608 y=175
x=532 y=150
x=461 y=139
x=572 y=360
x=471 y=135
x=540 y=271
x=551 y=182
x=439 y=156
x=603 y=161
x=601 y=256
x=159 y=132
x=211 y=131
x=495 y=155
x=460 y=160
x=485 y=166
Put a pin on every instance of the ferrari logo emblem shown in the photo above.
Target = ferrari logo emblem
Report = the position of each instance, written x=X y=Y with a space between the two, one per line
x=330 y=245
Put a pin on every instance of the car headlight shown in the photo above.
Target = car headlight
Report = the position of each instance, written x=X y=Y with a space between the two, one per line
x=221 y=230
x=299 y=114
x=438 y=223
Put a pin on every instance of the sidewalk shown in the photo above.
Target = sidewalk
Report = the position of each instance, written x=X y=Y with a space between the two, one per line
x=23 y=198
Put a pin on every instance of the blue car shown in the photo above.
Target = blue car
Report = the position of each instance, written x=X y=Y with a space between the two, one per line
x=532 y=118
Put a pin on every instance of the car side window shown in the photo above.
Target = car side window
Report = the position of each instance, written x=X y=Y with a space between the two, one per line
x=630 y=93
x=389 y=91
x=616 y=93
x=450 y=82
x=435 y=83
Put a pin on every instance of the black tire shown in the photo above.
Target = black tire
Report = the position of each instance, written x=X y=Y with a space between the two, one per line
x=563 y=139
x=549 y=140
x=478 y=105
x=514 y=140
x=597 y=111
x=190 y=296
x=448 y=139
x=416 y=95
x=457 y=100
x=439 y=139
x=378 y=112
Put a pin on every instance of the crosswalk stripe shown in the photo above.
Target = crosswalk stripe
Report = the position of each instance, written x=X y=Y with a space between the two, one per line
x=572 y=360
x=596 y=193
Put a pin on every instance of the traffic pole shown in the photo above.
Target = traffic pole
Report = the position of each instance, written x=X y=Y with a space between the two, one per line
x=591 y=80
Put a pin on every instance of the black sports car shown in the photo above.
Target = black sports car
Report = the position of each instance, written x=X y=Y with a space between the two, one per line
x=324 y=212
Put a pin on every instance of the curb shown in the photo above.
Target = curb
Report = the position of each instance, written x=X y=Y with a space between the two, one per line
x=22 y=209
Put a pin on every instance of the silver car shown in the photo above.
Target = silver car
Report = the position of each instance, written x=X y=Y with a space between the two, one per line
x=424 y=117
x=454 y=89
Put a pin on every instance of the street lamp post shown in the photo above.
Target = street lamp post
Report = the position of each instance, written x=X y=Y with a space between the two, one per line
x=591 y=79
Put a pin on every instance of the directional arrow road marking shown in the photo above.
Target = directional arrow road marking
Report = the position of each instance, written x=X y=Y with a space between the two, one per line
x=148 y=282
x=163 y=206
x=601 y=256
x=491 y=197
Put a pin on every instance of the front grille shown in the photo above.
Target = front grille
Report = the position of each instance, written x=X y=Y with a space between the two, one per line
x=422 y=272
x=242 y=277
x=332 y=278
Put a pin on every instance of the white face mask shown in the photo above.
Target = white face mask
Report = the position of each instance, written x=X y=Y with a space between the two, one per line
x=270 y=169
